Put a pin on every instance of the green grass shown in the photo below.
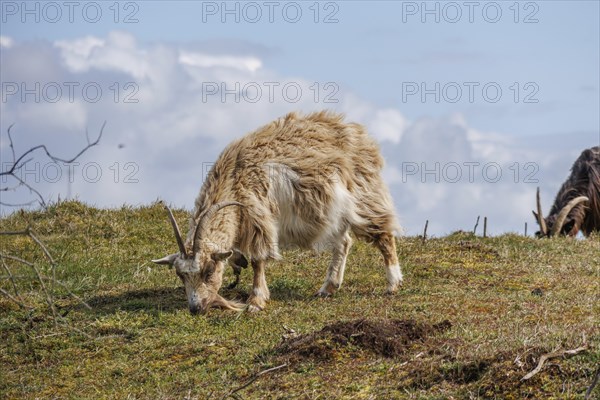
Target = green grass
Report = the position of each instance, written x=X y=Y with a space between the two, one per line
x=507 y=298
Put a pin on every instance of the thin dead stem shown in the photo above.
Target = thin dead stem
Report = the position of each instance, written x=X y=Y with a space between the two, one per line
x=48 y=294
x=10 y=276
x=549 y=356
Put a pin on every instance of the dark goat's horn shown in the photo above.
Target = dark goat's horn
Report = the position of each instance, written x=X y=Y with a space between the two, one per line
x=540 y=216
x=205 y=217
x=562 y=216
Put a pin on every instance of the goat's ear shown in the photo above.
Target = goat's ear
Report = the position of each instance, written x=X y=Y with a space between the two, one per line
x=170 y=259
x=222 y=256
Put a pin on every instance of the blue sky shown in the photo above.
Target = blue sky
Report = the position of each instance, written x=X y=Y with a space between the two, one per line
x=373 y=53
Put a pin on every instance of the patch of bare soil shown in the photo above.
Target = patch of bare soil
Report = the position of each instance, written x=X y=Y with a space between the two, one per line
x=389 y=338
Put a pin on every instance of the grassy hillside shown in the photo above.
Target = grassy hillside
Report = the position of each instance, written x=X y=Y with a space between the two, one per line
x=473 y=318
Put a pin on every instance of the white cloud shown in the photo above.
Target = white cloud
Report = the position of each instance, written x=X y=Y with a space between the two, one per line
x=118 y=52
x=388 y=125
x=76 y=53
x=161 y=145
x=6 y=42
x=250 y=64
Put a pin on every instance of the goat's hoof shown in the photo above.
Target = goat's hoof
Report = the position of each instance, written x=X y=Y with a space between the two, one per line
x=323 y=295
x=256 y=304
x=393 y=289
x=254 y=308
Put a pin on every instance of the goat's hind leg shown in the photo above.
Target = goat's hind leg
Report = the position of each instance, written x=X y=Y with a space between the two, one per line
x=387 y=245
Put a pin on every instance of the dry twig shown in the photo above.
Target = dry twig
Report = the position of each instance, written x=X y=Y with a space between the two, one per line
x=11 y=277
x=588 y=392
x=40 y=277
x=13 y=299
x=549 y=356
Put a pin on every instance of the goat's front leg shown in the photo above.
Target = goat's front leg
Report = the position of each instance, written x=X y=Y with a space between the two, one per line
x=260 y=292
x=335 y=272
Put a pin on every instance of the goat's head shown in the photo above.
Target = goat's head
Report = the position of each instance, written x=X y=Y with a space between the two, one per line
x=557 y=224
x=201 y=269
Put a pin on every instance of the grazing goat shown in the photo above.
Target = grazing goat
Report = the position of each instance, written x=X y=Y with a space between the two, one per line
x=303 y=181
x=577 y=204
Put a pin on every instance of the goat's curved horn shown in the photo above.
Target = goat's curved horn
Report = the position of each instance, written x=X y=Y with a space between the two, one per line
x=205 y=217
x=170 y=259
x=562 y=216
x=540 y=216
x=176 y=230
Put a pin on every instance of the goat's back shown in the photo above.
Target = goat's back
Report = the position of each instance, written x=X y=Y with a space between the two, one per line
x=318 y=143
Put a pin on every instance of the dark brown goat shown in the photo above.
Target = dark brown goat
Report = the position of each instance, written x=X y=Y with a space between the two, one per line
x=577 y=204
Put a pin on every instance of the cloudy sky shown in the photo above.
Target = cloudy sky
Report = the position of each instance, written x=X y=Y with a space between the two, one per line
x=474 y=104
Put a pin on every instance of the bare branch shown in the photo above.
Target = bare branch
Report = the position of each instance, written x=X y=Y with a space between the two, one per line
x=9 y=188
x=14 y=300
x=39 y=277
x=35 y=269
x=13 y=204
x=22 y=164
x=45 y=290
x=53 y=280
x=20 y=161
x=23 y=232
x=45 y=250
x=12 y=148
x=9 y=257
x=31 y=189
x=79 y=299
x=16 y=277
x=50 y=155
x=11 y=277
x=549 y=356
x=588 y=392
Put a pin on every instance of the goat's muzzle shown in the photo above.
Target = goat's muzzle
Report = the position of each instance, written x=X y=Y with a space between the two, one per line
x=197 y=310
